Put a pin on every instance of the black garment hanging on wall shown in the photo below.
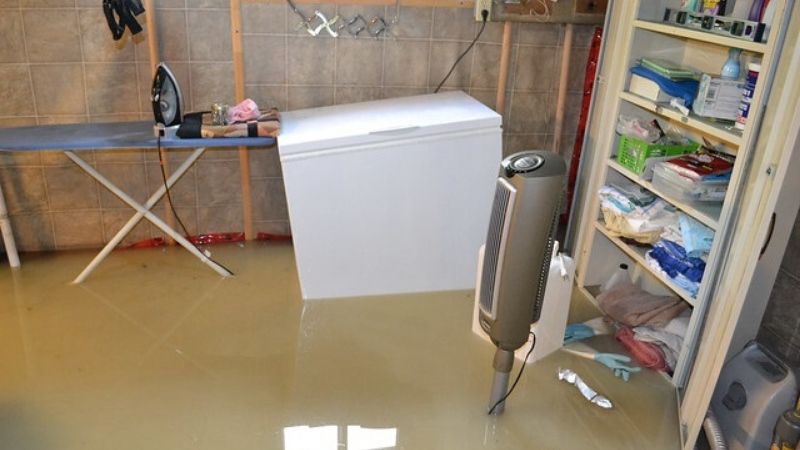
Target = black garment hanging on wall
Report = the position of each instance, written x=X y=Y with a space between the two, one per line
x=121 y=14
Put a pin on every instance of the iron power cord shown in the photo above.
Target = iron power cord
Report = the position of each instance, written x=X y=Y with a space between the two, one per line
x=485 y=16
x=519 y=375
x=172 y=205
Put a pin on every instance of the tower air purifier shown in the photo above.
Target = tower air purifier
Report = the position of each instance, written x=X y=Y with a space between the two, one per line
x=516 y=259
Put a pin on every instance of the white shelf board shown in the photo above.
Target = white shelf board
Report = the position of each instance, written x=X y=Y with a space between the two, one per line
x=697 y=123
x=638 y=255
x=700 y=35
x=706 y=213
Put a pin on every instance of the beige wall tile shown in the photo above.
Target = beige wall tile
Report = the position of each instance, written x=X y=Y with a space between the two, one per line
x=49 y=43
x=485 y=65
x=454 y=23
x=183 y=193
x=493 y=33
x=344 y=95
x=18 y=121
x=311 y=61
x=57 y=158
x=395 y=92
x=70 y=188
x=187 y=215
x=486 y=96
x=24 y=189
x=81 y=229
x=264 y=59
x=133 y=155
x=276 y=227
x=9 y=3
x=207 y=3
x=582 y=35
x=264 y=162
x=128 y=177
x=115 y=219
x=220 y=219
x=535 y=69
x=302 y=97
x=15 y=90
x=209 y=35
x=518 y=142
x=13 y=48
x=530 y=113
x=111 y=88
x=47 y=3
x=59 y=88
x=96 y=39
x=359 y=62
x=218 y=183
x=443 y=55
x=33 y=232
x=171 y=3
x=577 y=69
x=414 y=22
x=19 y=159
x=539 y=34
x=263 y=18
x=172 y=24
x=269 y=200
x=268 y=96
x=211 y=83
x=406 y=63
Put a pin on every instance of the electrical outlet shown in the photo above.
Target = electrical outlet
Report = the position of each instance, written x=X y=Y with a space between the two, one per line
x=480 y=5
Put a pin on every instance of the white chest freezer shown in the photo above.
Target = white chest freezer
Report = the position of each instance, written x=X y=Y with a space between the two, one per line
x=389 y=196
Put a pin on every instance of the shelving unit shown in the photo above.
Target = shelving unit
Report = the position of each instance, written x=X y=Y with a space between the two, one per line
x=635 y=33
x=697 y=123
x=707 y=214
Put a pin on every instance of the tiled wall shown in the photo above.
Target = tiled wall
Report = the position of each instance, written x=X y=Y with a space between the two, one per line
x=59 y=65
x=780 y=327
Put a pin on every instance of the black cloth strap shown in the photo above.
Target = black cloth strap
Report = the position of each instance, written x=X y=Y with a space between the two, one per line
x=121 y=14
x=191 y=125
x=252 y=128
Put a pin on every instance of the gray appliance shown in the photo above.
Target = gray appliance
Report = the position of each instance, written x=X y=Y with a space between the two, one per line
x=518 y=248
x=754 y=389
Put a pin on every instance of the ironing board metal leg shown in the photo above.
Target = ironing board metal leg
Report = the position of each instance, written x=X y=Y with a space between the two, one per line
x=143 y=211
x=8 y=235
x=112 y=244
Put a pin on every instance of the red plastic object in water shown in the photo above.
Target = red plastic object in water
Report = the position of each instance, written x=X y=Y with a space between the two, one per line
x=645 y=353
x=201 y=239
x=261 y=236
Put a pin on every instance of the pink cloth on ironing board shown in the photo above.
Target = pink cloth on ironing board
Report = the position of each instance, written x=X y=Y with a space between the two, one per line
x=244 y=111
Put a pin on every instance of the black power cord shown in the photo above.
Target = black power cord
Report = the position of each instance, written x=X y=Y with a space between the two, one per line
x=485 y=16
x=519 y=375
x=172 y=205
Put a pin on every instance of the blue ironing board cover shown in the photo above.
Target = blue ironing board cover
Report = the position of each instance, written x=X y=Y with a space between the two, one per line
x=106 y=136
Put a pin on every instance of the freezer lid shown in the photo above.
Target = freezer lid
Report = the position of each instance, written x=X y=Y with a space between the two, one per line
x=317 y=129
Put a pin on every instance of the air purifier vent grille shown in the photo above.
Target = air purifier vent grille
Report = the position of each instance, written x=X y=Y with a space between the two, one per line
x=545 y=269
x=502 y=197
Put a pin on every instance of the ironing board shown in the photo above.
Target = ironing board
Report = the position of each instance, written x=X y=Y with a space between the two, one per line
x=111 y=136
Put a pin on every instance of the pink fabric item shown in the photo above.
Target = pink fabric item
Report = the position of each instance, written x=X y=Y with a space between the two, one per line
x=645 y=353
x=244 y=111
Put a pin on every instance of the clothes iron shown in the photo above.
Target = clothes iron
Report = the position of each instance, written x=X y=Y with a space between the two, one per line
x=167 y=102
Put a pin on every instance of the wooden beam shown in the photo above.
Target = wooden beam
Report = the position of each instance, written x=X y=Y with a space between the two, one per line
x=502 y=78
x=238 y=85
x=563 y=82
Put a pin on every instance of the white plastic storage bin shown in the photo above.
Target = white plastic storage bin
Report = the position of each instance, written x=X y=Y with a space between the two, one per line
x=685 y=189
x=390 y=196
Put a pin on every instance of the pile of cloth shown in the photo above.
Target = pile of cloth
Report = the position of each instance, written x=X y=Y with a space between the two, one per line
x=681 y=252
x=632 y=212
x=650 y=327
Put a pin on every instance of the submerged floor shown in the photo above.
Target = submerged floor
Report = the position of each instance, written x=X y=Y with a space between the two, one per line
x=155 y=351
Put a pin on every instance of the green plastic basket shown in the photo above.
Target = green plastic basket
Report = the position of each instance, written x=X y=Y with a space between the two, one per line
x=633 y=153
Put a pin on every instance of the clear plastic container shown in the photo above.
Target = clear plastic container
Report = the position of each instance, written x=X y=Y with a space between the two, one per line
x=685 y=189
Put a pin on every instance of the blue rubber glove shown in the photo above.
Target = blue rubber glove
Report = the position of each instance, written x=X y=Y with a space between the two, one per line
x=577 y=332
x=615 y=362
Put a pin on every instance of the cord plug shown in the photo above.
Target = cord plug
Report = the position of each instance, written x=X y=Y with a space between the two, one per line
x=483 y=10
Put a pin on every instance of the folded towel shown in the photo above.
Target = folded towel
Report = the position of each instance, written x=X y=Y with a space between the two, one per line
x=629 y=304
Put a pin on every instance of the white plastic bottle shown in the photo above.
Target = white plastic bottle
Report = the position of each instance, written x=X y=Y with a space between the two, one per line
x=619 y=276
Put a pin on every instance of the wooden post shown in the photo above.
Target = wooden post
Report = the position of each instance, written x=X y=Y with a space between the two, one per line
x=155 y=59
x=502 y=79
x=238 y=77
x=563 y=82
